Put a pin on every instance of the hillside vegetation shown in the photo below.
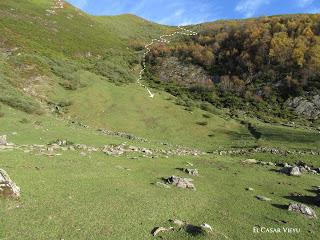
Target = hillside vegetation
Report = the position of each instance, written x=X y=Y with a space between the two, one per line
x=255 y=64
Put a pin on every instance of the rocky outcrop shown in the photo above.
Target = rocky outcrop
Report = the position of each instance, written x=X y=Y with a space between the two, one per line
x=172 y=69
x=307 y=108
x=121 y=134
x=272 y=150
x=180 y=182
x=8 y=189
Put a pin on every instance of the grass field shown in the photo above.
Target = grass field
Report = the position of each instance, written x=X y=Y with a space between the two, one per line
x=89 y=197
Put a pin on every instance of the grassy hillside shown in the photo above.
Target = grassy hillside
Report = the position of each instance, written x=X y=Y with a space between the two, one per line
x=42 y=45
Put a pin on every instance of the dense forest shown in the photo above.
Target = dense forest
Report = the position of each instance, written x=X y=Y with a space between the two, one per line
x=252 y=64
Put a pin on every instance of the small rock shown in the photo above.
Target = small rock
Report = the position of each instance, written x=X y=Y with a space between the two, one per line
x=250 y=161
x=303 y=209
x=3 y=140
x=249 y=189
x=263 y=198
x=207 y=227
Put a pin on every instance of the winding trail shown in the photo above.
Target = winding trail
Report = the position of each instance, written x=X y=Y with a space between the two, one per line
x=163 y=39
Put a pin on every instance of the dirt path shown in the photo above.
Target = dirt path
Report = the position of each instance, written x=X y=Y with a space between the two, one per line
x=162 y=39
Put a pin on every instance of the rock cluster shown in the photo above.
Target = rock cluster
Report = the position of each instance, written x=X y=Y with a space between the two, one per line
x=121 y=134
x=298 y=169
x=271 y=150
x=8 y=188
x=180 y=182
x=254 y=161
x=302 y=209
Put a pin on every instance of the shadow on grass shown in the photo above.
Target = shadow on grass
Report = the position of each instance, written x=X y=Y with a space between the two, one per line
x=194 y=230
x=309 y=200
x=280 y=206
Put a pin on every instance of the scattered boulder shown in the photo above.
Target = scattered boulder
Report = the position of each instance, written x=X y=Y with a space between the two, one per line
x=8 y=188
x=180 y=182
x=3 y=140
x=302 y=209
x=249 y=189
x=263 y=198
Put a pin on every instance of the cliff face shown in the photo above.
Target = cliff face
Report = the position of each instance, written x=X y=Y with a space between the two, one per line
x=309 y=108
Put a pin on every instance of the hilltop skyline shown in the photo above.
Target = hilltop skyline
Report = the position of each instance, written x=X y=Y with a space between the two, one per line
x=184 y=12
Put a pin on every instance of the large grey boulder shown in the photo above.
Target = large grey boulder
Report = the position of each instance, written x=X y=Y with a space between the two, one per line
x=3 y=140
x=302 y=209
x=295 y=171
x=8 y=188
